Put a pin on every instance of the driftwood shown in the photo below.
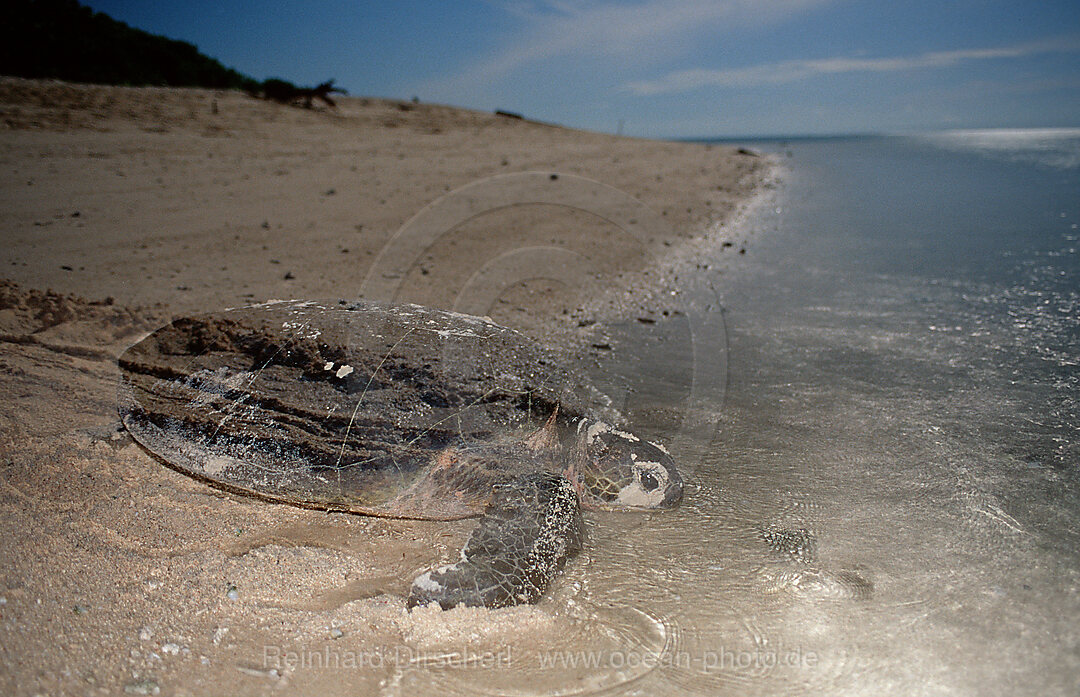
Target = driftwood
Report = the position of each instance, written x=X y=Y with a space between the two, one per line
x=288 y=93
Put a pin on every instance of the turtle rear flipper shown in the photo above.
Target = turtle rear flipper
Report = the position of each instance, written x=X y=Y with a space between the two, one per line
x=525 y=536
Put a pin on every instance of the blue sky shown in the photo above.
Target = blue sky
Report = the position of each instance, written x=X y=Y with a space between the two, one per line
x=665 y=68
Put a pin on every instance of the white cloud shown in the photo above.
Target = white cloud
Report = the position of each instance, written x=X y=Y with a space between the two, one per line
x=631 y=32
x=795 y=70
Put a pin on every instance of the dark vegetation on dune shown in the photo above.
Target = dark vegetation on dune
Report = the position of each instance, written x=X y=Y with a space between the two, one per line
x=63 y=40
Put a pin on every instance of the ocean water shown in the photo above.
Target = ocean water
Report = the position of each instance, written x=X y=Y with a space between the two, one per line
x=885 y=498
x=905 y=386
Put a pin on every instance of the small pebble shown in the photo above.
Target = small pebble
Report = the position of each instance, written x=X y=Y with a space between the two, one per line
x=336 y=633
x=145 y=634
x=233 y=593
x=170 y=648
x=143 y=687
x=271 y=673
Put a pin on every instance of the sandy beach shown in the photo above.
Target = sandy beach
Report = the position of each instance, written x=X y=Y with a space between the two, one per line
x=125 y=207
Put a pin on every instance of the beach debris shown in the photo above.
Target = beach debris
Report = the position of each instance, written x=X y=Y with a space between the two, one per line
x=508 y=114
x=232 y=593
x=285 y=92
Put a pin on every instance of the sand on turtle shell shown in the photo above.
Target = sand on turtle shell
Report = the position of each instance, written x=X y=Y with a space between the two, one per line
x=126 y=207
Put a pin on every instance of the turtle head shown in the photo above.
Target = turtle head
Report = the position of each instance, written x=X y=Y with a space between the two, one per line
x=616 y=469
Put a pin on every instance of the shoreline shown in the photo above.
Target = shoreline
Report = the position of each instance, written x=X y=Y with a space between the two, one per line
x=133 y=205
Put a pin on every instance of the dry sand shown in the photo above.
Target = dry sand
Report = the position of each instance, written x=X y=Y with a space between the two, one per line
x=125 y=207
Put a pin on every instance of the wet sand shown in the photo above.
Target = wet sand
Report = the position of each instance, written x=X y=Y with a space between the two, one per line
x=126 y=207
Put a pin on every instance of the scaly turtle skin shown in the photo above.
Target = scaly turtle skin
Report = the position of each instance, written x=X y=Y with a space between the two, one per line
x=395 y=411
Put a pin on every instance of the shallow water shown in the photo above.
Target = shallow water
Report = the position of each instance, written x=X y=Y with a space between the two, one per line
x=882 y=437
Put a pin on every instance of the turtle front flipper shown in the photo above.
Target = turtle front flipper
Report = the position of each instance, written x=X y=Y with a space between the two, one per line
x=530 y=527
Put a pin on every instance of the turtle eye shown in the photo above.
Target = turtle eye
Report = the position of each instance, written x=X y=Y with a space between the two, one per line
x=648 y=480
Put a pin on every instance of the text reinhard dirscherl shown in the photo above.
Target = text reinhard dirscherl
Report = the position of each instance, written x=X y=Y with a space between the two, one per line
x=755 y=660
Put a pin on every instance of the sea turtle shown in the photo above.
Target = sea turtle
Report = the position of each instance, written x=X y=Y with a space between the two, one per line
x=396 y=411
